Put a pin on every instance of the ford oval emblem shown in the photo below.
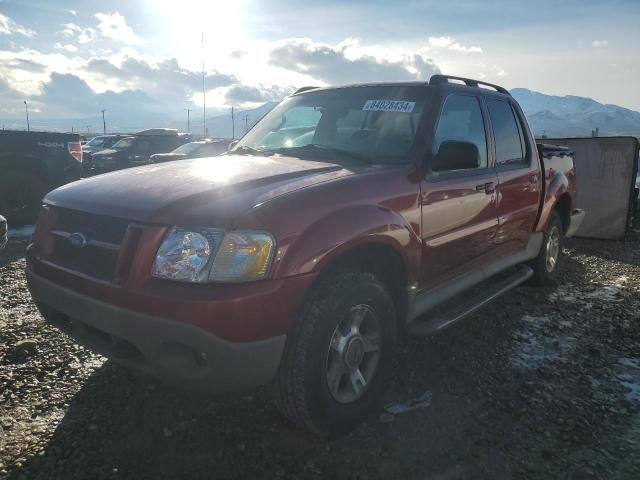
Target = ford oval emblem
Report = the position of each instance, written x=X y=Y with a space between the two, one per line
x=78 y=240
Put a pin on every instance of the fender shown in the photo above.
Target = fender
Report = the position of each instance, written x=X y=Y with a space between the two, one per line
x=352 y=226
x=556 y=188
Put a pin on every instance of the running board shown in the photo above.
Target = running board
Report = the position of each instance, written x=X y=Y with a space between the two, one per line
x=493 y=288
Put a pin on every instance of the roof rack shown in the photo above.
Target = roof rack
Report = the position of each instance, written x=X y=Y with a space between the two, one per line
x=469 y=82
x=303 y=89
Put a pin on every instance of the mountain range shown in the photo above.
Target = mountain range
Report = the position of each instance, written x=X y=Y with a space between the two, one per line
x=548 y=115
x=572 y=116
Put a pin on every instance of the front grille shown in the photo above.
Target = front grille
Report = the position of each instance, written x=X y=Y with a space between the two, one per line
x=97 y=254
x=99 y=227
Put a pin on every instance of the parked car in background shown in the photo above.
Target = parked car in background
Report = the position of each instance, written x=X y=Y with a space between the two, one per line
x=344 y=216
x=100 y=143
x=203 y=148
x=96 y=144
x=135 y=150
x=31 y=164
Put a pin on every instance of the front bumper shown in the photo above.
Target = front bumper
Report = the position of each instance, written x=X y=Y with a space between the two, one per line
x=177 y=352
x=4 y=232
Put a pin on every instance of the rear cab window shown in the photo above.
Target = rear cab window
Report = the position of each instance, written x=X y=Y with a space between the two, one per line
x=509 y=138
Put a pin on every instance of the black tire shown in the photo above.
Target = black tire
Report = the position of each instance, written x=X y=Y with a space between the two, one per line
x=301 y=389
x=543 y=271
x=21 y=194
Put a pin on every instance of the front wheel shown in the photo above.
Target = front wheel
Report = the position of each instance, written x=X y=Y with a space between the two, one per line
x=339 y=356
x=546 y=263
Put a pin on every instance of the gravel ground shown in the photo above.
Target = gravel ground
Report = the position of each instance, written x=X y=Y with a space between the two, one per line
x=543 y=383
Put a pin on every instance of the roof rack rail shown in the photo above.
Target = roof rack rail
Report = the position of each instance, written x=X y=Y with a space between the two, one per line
x=303 y=89
x=469 y=82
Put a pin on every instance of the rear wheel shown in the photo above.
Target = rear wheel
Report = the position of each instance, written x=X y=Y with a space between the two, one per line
x=546 y=263
x=339 y=356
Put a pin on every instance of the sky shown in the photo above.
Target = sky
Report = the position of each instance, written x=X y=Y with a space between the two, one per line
x=142 y=60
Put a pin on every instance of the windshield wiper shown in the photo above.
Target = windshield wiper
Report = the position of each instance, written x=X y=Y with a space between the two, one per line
x=319 y=147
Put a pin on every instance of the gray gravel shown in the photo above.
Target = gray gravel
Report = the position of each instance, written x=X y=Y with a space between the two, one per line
x=543 y=383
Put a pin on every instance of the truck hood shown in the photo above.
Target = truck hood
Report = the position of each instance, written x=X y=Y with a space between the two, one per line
x=165 y=157
x=195 y=191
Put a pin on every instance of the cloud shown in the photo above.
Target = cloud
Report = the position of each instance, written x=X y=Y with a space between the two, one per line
x=68 y=47
x=24 y=64
x=441 y=42
x=450 y=44
x=9 y=27
x=83 y=34
x=69 y=94
x=114 y=26
x=238 y=53
x=499 y=71
x=600 y=43
x=245 y=94
x=166 y=80
x=9 y=97
x=331 y=65
x=456 y=47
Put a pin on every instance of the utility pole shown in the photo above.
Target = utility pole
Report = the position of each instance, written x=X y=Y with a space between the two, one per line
x=246 y=123
x=204 y=95
x=87 y=129
x=188 y=120
x=233 y=125
x=104 y=123
x=26 y=110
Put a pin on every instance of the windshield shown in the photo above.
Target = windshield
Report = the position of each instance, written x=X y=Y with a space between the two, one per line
x=374 y=123
x=96 y=142
x=187 y=148
x=124 y=143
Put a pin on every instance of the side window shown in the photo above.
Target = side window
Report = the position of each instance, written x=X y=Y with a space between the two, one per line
x=509 y=147
x=141 y=146
x=461 y=141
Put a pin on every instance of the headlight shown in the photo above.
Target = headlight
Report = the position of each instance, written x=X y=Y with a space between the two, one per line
x=201 y=255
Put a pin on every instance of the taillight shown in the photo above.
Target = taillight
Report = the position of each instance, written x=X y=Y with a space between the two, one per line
x=75 y=149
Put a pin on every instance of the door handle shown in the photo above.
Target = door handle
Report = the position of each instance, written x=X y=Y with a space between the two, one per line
x=534 y=179
x=488 y=187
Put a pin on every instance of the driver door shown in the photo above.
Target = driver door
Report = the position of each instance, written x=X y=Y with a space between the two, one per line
x=459 y=202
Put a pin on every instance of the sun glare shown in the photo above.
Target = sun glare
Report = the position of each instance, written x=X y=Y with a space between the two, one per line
x=220 y=22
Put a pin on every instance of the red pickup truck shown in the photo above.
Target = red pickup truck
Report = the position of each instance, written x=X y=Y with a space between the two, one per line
x=342 y=218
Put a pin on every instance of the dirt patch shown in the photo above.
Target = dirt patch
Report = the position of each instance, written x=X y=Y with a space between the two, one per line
x=543 y=383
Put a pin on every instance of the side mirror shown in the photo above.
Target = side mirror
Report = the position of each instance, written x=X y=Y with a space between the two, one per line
x=455 y=155
x=232 y=145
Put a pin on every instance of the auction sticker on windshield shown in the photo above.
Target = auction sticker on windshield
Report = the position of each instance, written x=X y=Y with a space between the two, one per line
x=388 y=106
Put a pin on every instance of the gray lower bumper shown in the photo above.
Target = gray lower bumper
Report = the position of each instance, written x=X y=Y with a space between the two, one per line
x=4 y=237
x=577 y=216
x=177 y=352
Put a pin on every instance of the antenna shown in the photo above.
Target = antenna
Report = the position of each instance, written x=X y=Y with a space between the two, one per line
x=188 y=120
x=204 y=96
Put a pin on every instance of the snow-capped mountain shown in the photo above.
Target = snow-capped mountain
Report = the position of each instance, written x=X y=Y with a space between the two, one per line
x=574 y=116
